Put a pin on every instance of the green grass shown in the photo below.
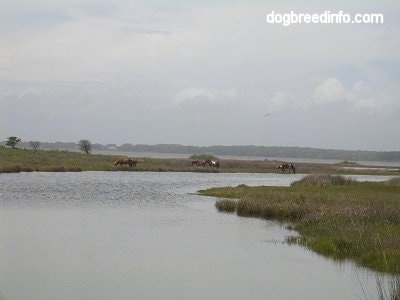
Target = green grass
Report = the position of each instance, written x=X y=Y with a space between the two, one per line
x=15 y=160
x=335 y=217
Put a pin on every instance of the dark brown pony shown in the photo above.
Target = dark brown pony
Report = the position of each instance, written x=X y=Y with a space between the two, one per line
x=199 y=163
x=286 y=166
x=131 y=162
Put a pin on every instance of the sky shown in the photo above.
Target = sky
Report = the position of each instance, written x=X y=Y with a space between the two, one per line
x=199 y=73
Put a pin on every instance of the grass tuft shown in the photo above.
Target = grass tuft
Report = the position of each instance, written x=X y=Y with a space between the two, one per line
x=225 y=205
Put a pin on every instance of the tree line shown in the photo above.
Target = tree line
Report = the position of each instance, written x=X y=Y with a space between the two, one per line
x=247 y=150
x=12 y=141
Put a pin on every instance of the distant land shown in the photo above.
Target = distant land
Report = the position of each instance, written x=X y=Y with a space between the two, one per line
x=249 y=151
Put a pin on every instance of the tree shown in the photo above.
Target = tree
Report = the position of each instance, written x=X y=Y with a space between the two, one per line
x=12 y=141
x=35 y=145
x=85 y=146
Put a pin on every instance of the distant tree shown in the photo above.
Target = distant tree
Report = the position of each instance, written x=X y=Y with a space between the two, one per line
x=35 y=145
x=12 y=141
x=85 y=146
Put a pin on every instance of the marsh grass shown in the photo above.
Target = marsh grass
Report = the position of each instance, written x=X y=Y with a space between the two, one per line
x=226 y=205
x=388 y=289
x=394 y=181
x=343 y=219
x=325 y=180
x=26 y=160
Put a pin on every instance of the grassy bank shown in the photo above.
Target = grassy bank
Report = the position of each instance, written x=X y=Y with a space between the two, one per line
x=25 y=160
x=17 y=160
x=336 y=217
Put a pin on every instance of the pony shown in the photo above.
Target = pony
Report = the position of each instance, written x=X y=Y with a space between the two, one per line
x=131 y=162
x=199 y=163
x=286 y=166
x=215 y=164
x=212 y=163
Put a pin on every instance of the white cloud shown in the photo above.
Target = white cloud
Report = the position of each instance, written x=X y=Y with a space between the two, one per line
x=329 y=91
x=359 y=96
x=220 y=96
x=281 y=101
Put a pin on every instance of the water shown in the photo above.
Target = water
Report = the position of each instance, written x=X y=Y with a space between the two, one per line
x=237 y=157
x=143 y=235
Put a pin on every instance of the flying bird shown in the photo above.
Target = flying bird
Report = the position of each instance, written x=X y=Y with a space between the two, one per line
x=265 y=115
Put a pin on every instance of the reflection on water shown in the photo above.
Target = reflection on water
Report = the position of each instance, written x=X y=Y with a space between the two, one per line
x=140 y=235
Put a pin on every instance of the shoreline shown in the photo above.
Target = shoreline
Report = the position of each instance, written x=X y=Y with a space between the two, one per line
x=335 y=216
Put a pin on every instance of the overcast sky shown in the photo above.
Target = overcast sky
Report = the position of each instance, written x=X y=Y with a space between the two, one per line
x=199 y=73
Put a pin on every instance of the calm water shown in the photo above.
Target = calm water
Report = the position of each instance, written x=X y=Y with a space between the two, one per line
x=139 y=235
x=237 y=157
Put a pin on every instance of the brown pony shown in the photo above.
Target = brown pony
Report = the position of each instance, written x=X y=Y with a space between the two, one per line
x=131 y=162
x=286 y=166
x=199 y=163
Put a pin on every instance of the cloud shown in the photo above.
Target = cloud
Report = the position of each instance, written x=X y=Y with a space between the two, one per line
x=329 y=91
x=282 y=100
x=359 y=96
x=193 y=95
x=82 y=45
x=134 y=63
x=332 y=91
